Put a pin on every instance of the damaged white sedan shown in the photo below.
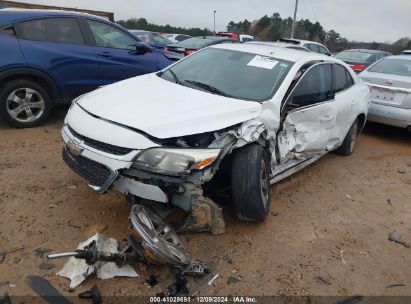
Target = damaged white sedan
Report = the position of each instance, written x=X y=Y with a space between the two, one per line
x=231 y=118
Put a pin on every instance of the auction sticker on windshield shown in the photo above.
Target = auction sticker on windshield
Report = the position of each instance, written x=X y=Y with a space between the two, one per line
x=263 y=62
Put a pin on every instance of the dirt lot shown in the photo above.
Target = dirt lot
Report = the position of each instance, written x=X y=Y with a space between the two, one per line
x=327 y=232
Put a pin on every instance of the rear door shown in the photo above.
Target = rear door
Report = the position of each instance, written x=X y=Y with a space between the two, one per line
x=57 y=46
x=347 y=98
x=116 y=53
x=309 y=115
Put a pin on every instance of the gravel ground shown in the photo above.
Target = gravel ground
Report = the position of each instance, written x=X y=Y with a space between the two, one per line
x=327 y=232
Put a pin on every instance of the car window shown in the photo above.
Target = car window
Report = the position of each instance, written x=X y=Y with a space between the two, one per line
x=323 y=50
x=246 y=39
x=59 y=30
x=108 y=36
x=181 y=37
x=143 y=36
x=160 y=39
x=342 y=79
x=312 y=47
x=8 y=31
x=350 y=80
x=314 y=87
x=392 y=66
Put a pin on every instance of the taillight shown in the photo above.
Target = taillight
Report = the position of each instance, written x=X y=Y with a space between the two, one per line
x=358 y=67
x=188 y=52
x=167 y=49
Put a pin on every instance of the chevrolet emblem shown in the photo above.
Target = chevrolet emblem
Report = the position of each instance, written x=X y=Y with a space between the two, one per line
x=74 y=148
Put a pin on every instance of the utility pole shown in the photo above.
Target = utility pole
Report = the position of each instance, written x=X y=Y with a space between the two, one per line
x=214 y=21
x=294 y=20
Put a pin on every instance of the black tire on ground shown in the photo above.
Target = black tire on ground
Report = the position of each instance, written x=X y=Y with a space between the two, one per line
x=24 y=103
x=250 y=182
x=347 y=147
x=132 y=199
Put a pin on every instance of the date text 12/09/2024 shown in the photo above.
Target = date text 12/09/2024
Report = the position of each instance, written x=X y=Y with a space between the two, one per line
x=203 y=299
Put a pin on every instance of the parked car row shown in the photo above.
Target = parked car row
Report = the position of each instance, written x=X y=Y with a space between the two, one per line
x=51 y=57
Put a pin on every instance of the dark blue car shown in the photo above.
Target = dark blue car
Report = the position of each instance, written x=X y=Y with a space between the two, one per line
x=50 y=57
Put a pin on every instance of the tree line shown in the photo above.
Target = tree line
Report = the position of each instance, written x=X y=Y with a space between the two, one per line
x=272 y=28
x=143 y=24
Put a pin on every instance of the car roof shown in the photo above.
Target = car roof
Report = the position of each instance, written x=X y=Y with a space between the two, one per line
x=273 y=51
x=9 y=15
x=290 y=40
x=138 y=31
x=366 y=51
x=403 y=56
x=279 y=44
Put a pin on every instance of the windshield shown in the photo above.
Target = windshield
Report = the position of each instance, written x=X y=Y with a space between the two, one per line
x=392 y=66
x=355 y=56
x=149 y=37
x=230 y=73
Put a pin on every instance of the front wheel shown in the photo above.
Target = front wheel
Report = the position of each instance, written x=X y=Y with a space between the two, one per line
x=347 y=147
x=250 y=182
x=24 y=103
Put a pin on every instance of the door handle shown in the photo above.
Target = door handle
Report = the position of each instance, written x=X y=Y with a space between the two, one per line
x=105 y=54
x=354 y=101
x=326 y=118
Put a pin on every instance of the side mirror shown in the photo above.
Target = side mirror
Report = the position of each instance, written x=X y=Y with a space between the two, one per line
x=142 y=48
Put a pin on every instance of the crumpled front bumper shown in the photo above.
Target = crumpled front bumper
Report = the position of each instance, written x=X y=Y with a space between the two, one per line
x=102 y=169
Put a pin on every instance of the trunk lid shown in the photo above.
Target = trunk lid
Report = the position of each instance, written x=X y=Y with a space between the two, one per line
x=389 y=89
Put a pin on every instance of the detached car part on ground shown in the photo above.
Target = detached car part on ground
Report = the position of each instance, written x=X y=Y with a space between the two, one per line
x=390 y=83
x=230 y=116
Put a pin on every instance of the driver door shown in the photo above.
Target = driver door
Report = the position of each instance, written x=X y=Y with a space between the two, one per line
x=309 y=115
x=116 y=53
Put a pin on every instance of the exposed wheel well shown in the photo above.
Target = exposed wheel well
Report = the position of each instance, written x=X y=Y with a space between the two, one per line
x=47 y=85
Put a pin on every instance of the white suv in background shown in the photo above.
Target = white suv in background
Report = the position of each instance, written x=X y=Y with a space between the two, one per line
x=311 y=45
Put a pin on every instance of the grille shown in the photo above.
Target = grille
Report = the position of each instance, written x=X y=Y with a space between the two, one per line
x=96 y=173
x=100 y=145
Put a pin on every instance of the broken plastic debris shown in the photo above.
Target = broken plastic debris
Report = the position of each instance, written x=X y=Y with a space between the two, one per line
x=78 y=270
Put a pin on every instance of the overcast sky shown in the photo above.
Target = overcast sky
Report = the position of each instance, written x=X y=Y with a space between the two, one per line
x=365 y=20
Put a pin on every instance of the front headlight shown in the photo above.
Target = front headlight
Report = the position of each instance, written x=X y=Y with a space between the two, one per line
x=175 y=161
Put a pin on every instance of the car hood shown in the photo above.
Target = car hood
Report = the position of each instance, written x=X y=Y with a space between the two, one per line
x=164 y=109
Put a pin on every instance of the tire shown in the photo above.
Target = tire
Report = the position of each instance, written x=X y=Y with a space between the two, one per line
x=250 y=183
x=132 y=199
x=24 y=104
x=347 y=147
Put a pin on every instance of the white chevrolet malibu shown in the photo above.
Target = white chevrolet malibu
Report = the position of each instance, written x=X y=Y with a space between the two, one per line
x=231 y=116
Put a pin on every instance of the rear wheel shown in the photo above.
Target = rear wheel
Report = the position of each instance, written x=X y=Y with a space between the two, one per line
x=24 y=103
x=347 y=147
x=250 y=182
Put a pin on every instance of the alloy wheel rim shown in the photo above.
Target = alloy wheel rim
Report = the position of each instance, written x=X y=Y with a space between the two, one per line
x=25 y=105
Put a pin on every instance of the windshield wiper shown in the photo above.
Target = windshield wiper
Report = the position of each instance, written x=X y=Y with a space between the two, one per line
x=208 y=88
x=178 y=81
